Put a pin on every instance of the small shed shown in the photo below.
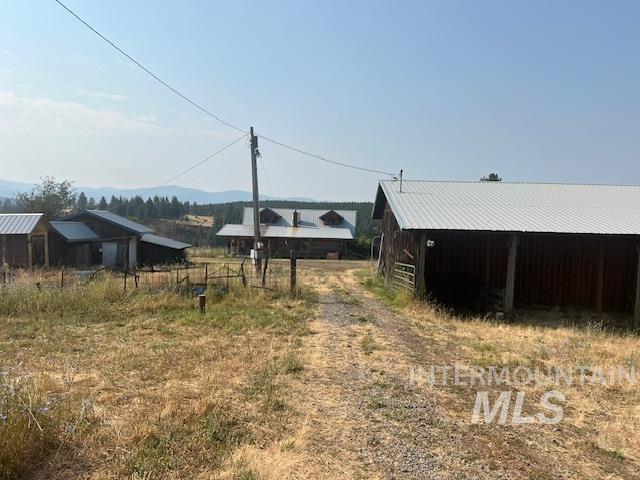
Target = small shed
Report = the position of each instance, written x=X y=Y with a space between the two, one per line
x=469 y=244
x=155 y=249
x=72 y=244
x=24 y=240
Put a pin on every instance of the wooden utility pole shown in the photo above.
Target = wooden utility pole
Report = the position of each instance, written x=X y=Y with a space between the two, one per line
x=257 y=250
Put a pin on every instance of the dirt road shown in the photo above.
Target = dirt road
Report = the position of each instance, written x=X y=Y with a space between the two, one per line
x=363 y=419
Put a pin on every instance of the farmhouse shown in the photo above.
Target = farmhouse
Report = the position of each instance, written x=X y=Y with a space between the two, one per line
x=478 y=245
x=310 y=233
x=24 y=240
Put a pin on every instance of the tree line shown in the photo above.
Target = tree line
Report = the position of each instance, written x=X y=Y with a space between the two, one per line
x=57 y=199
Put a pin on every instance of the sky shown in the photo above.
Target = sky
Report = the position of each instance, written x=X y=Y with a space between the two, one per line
x=452 y=90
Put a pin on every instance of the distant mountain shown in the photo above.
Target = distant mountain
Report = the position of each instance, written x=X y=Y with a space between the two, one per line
x=9 y=189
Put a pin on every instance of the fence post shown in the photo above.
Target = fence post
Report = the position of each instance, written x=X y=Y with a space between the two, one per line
x=264 y=271
x=62 y=277
x=293 y=271
x=202 y=300
x=125 y=281
x=206 y=275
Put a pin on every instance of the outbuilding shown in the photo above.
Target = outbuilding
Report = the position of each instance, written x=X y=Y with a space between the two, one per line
x=480 y=245
x=24 y=240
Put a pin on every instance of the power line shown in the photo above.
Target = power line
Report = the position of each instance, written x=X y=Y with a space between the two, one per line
x=149 y=72
x=196 y=165
x=203 y=109
x=324 y=159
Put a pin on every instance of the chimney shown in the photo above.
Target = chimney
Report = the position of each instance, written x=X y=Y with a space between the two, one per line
x=295 y=218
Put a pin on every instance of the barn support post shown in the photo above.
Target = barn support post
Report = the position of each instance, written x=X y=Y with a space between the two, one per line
x=511 y=274
x=3 y=239
x=636 y=316
x=29 y=251
x=46 y=248
x=421 y=265
x=600 y=277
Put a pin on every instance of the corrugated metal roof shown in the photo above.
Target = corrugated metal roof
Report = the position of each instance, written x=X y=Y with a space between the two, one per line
x=163 y=241
x=308 y=218
x=74 y=231
x=18 y=223
x=114 y=219
x=512 y=207
x=275 y=231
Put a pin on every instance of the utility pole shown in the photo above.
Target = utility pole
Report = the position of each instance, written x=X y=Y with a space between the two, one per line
x=257 y=246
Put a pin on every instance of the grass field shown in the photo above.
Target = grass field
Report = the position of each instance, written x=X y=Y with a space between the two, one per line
x=141 y=385
x=98 y=383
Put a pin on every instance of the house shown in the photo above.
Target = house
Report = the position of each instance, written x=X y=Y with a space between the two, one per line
x=24 y=240
x=310 y=233
x=123 y=243
x=468 y=244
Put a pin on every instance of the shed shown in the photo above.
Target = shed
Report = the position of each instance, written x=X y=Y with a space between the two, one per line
x=155 y=249
x=72 y=244
x=24 y=240
x=468 y=244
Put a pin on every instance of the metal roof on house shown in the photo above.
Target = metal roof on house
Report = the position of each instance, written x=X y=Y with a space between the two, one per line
x=74 y=231
x=163 y=241
x=512 y=207
x=275 y=231
x=115 y=220
x=18 y=223
x=307 y=218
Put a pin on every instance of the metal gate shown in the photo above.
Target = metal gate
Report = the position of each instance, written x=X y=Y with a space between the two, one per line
x=404 y=277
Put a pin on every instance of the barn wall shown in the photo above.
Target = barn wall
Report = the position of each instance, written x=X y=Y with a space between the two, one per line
x=14 y=250
x=103 y=229
x=397 y=245
x=551 y=269
x=150 y=254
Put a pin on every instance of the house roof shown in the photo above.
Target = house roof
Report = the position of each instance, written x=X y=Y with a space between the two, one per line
x=18 y=223
x=511 y=207
x=163 y=241
x=307 y=217
x=275 y=231
x=114 y=219
x=310 y=225
x=74 y=231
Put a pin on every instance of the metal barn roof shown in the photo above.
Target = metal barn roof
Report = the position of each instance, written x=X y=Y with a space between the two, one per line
x=163 y=241
x=18 y=223
x=115 y=220
x=74 y=231
x=512 y=207
x=271 y=231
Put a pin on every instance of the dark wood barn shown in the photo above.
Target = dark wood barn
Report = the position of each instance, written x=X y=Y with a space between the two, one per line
x=478 y=246
x=73 y=244
x=310 y=233
x=24 y=240
x=122 y=243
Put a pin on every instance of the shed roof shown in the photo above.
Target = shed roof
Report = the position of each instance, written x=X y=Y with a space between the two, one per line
x=512 y=207
x=276 y=231
x=74 y=231
x=114 y=219
x=163 y=241
x=18 y=223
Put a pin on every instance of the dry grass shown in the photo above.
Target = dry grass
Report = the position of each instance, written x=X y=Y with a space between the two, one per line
x=101 y=384
x=600 y=434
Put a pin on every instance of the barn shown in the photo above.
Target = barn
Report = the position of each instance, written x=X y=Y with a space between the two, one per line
x=24 y=240
x=310 y=233
x=478 y=246
x=122 y=243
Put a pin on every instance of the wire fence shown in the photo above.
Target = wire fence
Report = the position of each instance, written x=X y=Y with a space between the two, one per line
x=194 y=277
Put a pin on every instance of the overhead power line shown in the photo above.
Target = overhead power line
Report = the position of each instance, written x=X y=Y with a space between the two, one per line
x=324 y=159
x=196 y=165
x=206 y=111
x=149 y=72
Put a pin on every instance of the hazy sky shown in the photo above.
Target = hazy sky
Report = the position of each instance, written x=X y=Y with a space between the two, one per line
x=537 y=91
